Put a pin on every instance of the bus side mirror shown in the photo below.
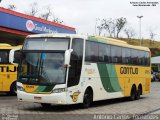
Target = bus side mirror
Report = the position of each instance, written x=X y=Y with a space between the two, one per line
x=67 y=57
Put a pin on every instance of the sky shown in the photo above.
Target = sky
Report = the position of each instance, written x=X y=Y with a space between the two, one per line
x=82 y=14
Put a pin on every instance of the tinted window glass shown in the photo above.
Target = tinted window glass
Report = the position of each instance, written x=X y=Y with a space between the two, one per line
x=91 y=51
x=77 y=46
x=147 y=58
x=126 y=55
x=76 y=62
x=116 y=54
x=134 y=57
x=17 y=56
x=4 y=56
x=104 y=53
x=141 y=58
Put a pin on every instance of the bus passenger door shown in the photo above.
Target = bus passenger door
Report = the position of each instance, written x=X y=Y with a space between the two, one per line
x=75 y=71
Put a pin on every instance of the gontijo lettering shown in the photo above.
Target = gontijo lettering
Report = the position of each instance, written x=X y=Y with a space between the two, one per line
x=128 y=70
x=8 y=69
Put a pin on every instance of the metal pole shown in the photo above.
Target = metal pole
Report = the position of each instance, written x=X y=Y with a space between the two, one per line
x=96 y=26
x=140 y=29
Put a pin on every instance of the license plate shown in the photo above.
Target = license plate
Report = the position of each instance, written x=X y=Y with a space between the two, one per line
x=37 y=98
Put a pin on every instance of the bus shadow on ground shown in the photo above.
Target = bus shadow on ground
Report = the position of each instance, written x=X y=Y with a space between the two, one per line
x=7 y=95
x=69 y=108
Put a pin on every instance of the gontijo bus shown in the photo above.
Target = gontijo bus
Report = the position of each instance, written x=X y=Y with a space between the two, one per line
x=8 y=71
x=71 y=69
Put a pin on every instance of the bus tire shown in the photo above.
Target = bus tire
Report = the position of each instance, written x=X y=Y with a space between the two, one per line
x=139 y=92
x=45 y=105
x=13 y=89
x=88 y=98
x=133 y=93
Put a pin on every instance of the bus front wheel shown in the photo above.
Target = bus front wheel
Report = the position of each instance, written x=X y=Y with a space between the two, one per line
x=88 y=98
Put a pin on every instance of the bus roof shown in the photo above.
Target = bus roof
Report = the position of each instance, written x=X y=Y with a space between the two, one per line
x=100 y=39
x=57 y=35
x=8 y=46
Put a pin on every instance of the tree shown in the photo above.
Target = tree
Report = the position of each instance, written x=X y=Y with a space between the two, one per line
x=47 y=14
x=114 y=26
x=33 y=9
x=100 y=28
x=57 y=20
x=120 y=23
x=152 y=35
x=11 y=7
x=109 y=26
x=129 y=32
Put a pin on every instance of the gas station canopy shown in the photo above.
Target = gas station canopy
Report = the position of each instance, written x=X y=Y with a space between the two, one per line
x=14 y=26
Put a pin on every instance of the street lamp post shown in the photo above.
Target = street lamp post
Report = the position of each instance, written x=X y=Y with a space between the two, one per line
x=140 y=29
x=97 y=19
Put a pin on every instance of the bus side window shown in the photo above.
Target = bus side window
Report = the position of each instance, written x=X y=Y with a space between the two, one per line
x=134 y=57
x=126 y=55
x=116 y=54
x=4 y=56
x=76 y=62
x=141 y=55
x=104 y=53
x=147 y=59
x=91 y=52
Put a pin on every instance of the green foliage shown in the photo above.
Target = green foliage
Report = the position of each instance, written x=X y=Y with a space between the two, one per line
x=120 y=22
x=145 y=42
x=153 y=45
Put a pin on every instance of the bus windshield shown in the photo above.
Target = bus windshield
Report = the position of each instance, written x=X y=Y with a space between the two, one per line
x=42 y=68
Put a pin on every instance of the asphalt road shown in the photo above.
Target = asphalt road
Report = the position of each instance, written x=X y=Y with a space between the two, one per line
x=148 y=105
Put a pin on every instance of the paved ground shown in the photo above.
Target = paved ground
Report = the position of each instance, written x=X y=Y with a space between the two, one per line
x=147 y=105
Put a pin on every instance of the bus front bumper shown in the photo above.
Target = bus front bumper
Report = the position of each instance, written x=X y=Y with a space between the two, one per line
x=53 y=98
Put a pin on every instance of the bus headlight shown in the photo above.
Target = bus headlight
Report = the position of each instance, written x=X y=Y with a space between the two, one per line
x=20 y=88
x=59 y=90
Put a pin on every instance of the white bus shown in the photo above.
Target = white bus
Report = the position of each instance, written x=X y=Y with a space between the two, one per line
x=70 y=69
